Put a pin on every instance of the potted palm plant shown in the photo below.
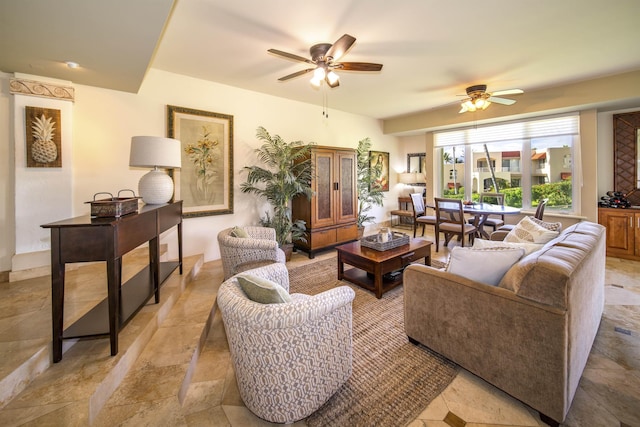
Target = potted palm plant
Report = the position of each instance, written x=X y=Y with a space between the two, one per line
x=369 y=191
x=286 y=173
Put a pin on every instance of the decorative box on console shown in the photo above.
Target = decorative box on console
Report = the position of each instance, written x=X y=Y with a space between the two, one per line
x=114 y=206
x=374 y=242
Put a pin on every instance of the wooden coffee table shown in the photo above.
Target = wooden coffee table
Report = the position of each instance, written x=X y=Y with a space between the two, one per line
x=371 y=265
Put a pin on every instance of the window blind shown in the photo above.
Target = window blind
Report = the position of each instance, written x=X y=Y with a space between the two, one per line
x=534 y=128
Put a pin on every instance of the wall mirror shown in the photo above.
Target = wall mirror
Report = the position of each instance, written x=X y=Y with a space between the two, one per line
x=626 y=155
x=416 y=162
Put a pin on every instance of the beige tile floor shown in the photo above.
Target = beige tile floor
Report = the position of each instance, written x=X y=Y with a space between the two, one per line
x=183 y=377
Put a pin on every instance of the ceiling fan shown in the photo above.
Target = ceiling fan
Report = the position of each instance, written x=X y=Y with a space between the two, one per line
x=480 y=99
x=324 y=57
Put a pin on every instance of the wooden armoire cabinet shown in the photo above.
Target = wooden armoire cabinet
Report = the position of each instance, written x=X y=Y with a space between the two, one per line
x=330 y=215
x=623 y=232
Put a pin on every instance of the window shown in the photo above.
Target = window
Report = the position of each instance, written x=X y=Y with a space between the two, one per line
x=482 y=164
x=527 y=161
x=453 y=168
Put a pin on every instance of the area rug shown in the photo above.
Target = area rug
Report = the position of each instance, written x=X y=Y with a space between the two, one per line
x=393 y=380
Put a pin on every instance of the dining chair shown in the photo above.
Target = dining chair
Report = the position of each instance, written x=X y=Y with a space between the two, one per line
x=450 y=221
x=493 y=221
x=540 y=209
x=419 y=211
x=538 y=215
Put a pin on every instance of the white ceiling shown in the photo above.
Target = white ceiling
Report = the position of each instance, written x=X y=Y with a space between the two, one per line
x=431 y=49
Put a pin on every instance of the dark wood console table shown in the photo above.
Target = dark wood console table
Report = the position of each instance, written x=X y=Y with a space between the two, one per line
x=84 y=239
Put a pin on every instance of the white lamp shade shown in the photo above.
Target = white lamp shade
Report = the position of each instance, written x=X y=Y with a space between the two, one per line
x=154 y=151
x=409 y=178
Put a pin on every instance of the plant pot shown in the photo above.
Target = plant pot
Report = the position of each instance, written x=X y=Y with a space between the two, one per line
x=287 y=248
x=360 y=232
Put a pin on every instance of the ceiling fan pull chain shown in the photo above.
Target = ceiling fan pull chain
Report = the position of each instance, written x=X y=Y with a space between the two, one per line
x=325 y=102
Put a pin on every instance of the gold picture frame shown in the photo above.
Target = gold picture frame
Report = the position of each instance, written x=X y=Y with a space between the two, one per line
x=204 y=183
x=380 y=159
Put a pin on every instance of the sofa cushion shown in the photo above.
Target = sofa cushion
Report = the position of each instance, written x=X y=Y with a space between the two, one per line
x=553 y=226
x=527 y=246
x=530 y=231
x=473 y=263
x=239 y=232
x=262 y=290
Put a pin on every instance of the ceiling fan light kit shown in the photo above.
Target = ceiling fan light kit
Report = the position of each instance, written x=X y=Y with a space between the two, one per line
x=324 y=57
x=480 y=99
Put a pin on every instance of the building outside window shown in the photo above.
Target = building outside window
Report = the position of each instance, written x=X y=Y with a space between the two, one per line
x=527 y=161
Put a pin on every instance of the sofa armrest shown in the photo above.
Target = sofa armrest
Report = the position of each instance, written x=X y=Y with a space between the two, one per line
x=300 y=311
x=249 y=243
x=256 y=232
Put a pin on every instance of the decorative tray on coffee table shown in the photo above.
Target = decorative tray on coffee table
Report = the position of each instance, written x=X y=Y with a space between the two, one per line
x=373 y=241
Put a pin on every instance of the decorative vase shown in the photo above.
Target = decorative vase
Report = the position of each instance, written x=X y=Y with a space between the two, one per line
x=384 y=235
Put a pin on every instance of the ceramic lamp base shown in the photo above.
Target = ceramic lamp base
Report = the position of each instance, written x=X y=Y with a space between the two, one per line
x=155 y=187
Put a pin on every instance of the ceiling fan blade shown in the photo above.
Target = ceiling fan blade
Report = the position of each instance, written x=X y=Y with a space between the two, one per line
x=358 y=66
x=296 y=74
x=503 y=101
x=290 y=56
x=507 y=92
x=340 y=47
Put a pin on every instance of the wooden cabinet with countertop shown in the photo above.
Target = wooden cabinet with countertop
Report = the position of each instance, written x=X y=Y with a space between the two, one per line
x=623 y=232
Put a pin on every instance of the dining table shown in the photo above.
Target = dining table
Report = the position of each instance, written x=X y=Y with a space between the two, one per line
x=482 y=211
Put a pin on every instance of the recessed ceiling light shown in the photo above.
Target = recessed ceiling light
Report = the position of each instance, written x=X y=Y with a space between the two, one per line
x=72 y=64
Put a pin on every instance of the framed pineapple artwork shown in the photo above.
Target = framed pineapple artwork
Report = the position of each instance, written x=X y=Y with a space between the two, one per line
x=44 y=142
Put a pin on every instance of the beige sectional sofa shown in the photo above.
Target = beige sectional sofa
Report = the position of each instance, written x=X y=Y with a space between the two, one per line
x=531 y=335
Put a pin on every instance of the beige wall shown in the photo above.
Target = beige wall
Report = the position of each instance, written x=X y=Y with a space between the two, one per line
x=105 y=120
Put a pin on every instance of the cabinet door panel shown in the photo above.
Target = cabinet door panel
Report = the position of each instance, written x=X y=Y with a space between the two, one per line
x=637 y=234
x=347 y=203
x=324 y=205
x=620 y=230
x=322 y=238
x=347 y=233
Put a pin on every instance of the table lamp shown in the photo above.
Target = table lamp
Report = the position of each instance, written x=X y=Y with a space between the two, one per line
x=155 y=152
x=409 y=178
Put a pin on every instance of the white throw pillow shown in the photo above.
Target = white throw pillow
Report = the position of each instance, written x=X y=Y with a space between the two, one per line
x=553 y=226
x=486 y=265
x=262 y=290
x=528 y=230
x=527 y=246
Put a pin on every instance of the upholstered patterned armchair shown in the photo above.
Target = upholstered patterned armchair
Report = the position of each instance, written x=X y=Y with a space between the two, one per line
x=289 y=358
x=243 y=253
